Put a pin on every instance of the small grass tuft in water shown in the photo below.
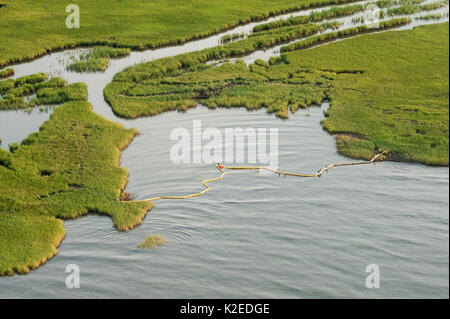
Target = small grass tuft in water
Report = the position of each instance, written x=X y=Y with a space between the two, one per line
x=152 y=241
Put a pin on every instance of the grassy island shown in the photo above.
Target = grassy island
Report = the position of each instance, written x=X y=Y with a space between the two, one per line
x=68 y=169
x=381 y=98
x=36 y=89
x=6 y=73
x=389 y=92
x=151 y=242
x=97 y=60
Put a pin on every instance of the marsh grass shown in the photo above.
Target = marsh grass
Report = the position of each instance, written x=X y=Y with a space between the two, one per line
x=231 y=37
x=151 y=242
x=327 y=37
x=178 y=83
x=16 y=93
x=229 y=85
x=415 y=8
x=393 y=3
x=6 y=73
x=168 y=84
x=435 y=16
x=408 y=118
x=316 y=16
x=134 y=24
x=68 y=169
x=98 y=60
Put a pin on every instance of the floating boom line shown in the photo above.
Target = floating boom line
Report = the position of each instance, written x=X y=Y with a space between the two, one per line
x=280 y=173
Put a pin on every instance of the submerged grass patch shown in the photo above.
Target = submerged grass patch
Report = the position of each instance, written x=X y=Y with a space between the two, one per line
x=68 y=169
x=98 y=59
x=334 y=12
x=152 y=241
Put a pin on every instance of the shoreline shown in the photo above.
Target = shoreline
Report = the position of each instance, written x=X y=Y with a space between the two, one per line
x=29 y=268
x=172 y=43
x=139 y=218
x=124 y=217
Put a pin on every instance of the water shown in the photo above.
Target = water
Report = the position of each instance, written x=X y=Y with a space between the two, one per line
x=260 y=236
x=252 y=236
x=17 y=125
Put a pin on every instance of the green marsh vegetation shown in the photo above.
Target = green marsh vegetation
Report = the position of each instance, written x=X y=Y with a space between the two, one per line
x=415 y=8
x=316 y=16
x=6 y=73
x=381 y=98
x=46 y=91
x=68 y=169
x=319 y=39
x=180 y=89
x=399 y=100
x=98 y=59
x=179 y=83
x=231 y=37
x=358 y=20
x=167 y=84
x=394 y=3
x=431 y=16
x=151 y=242
x=134 y=24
